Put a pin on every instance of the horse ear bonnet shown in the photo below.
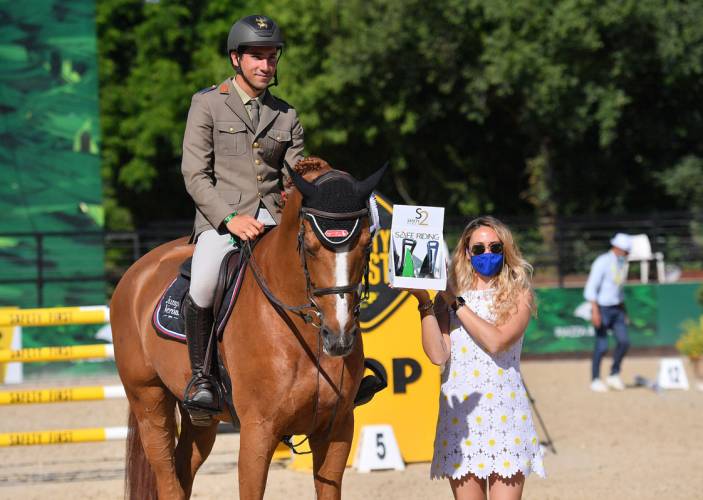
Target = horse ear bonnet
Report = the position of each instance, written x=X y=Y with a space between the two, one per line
x=335 y=193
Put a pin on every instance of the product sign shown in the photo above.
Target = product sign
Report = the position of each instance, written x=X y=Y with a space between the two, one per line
x=417 y=256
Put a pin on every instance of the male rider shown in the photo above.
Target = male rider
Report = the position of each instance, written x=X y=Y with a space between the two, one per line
x=236 y=139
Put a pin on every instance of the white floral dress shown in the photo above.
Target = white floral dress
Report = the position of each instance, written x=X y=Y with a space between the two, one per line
x=485 y=423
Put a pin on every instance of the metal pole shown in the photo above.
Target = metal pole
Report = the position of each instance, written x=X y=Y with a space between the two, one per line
x=549 y=442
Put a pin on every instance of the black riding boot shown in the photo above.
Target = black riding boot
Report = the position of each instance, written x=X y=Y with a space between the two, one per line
x=200 y=394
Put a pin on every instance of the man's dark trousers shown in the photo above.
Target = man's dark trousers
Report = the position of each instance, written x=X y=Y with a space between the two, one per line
x=612 y=318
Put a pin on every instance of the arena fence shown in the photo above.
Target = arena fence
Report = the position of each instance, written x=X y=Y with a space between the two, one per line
x=63 y=316
x=58 y=353
x=63 y=436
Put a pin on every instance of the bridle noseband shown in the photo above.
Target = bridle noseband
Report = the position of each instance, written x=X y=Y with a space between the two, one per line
x=311 y=214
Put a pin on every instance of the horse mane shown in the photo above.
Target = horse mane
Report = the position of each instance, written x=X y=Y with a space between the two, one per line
x=309 y=165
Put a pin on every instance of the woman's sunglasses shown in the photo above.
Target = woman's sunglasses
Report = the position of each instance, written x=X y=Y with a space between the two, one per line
x=480 y=248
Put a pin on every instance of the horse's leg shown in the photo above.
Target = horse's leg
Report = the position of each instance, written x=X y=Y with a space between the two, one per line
x=257 y=442
x=154 y=407
x=194 y=446
x=329 y=457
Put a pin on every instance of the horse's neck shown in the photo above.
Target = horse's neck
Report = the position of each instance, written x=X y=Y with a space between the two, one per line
x=278 y=259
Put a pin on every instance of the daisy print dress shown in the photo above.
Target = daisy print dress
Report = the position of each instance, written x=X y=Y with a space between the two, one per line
x=485 y=423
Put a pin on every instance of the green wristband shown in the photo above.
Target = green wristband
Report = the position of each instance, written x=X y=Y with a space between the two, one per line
x=230 y=217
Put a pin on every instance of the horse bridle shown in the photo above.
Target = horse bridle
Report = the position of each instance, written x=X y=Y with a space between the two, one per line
x=311 y=290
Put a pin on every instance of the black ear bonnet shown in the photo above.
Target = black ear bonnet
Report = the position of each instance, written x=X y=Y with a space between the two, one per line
x=335 y=209
x=334 y=203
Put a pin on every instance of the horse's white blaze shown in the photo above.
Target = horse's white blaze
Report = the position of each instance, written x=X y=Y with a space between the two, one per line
x=342 y=279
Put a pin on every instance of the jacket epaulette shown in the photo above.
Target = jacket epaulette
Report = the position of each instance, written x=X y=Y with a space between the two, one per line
x=207 y=89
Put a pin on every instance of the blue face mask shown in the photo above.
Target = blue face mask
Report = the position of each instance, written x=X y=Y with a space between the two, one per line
x=487 y=264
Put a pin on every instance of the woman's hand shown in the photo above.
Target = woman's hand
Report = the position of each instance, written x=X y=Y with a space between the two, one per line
x=448 y=295
x=422 y=296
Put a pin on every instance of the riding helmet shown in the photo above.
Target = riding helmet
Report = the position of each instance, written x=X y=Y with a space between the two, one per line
x=255 y=30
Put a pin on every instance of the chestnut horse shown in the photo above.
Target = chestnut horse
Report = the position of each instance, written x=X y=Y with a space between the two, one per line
x=293 y=370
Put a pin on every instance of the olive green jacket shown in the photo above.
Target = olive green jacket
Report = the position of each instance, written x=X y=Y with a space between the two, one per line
x=227 y=165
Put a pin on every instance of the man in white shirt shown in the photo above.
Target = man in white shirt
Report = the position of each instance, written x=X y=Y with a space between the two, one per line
x=604 y=290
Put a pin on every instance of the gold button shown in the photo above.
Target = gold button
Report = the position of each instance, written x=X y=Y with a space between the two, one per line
x=259 y=178
x=261 y=195
x=257 y=161
x=278 y=137
x=256 y=144
x=231 y=129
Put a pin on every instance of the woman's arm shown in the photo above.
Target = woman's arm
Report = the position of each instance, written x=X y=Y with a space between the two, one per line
x=435 y=327
x=497 y=338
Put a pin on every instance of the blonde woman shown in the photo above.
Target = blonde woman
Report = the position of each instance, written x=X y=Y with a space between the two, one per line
x=485 y=439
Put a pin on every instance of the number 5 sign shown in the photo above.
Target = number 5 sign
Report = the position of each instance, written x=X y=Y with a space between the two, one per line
x=377 y=449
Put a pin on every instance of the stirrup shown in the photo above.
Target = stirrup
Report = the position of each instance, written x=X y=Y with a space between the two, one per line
x=194 y=406
x=368 y=388
x=370 y=384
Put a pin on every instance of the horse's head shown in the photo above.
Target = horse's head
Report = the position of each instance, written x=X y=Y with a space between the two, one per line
x=334 y=243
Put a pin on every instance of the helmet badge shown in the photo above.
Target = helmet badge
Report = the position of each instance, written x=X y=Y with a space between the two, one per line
x=261 y=23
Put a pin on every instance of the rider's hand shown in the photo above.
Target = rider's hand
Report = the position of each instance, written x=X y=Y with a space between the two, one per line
x=245 y=227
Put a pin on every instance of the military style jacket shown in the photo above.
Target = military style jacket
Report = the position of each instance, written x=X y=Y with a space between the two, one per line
x=227 y=165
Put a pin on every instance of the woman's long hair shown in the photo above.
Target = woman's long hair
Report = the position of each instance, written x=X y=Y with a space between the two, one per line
x=514 y=277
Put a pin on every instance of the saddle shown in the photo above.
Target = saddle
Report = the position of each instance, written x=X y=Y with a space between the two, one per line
x=167 y=318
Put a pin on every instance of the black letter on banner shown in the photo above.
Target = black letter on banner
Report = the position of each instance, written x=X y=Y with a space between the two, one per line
x=400 y=380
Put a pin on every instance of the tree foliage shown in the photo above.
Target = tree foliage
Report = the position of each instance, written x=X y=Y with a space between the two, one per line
x=504 y=106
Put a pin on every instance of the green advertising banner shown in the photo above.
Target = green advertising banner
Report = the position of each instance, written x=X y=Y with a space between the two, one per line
x=49 y=158
x=51 y=244
x=656 y=313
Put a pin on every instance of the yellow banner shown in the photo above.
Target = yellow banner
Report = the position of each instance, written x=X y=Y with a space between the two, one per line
x=410 y=402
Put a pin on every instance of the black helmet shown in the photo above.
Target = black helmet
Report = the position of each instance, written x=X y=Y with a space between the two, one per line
x=256 y=30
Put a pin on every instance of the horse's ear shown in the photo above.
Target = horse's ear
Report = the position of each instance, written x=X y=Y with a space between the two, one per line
x=366 y=186
x=306 y=188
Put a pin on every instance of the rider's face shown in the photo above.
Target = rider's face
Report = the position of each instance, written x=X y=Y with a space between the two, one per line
x=258 y=65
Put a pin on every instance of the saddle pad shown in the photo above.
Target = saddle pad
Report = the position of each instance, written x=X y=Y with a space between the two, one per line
x=168 y=319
